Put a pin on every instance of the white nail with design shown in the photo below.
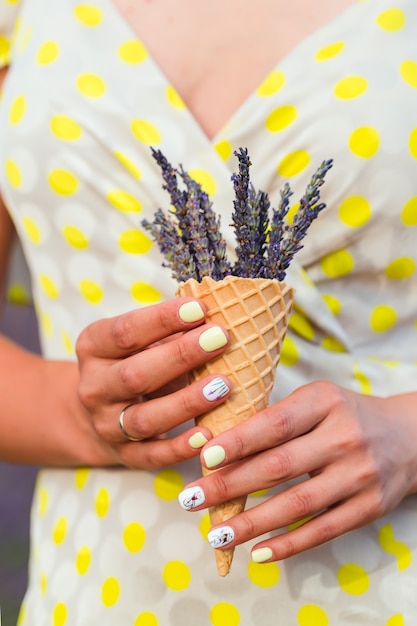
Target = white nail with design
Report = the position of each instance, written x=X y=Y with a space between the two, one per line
x=191 y=497
x=222 y=536
x=215 y=389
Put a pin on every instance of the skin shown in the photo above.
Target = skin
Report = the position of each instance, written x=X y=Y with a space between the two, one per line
x=358 y=451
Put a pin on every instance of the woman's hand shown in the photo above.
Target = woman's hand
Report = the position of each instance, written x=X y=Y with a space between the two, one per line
x=136 y=365
x=357 y=454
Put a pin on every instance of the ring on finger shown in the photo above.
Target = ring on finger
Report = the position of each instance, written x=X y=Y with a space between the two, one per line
x=122 y=426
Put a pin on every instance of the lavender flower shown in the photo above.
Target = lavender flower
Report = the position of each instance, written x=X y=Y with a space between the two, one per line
x=190 y=238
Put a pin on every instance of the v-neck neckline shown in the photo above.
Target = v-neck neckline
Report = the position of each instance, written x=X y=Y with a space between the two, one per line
x=121 y=19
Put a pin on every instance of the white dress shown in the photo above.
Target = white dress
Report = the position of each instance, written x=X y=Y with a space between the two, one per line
x=82 y=105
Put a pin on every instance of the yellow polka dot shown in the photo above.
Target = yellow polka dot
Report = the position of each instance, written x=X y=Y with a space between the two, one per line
x=44 y=584
x=281 y=118
x=67 y=342
x=337 y=263
x=4 y=50
x=91 y=291
x=25 y=38
x=46 y=324
x=312 y=615
x=400 y=268
x=17 y=294
x=43 y=500
x=146 y=619
x=134 y=537
x=176 y=575
x=300 y=325
x=167 y=484
x=224 y=149
x=63 y=182
x=32 y=230
x=391 y=545
x=353 y=579
x=75 y=237
x=224 y=614
x=21 y=619
x=47 y=53
x=292 y=211
x=408 y=70
x=293 y=163
x=134 y=242
x=383 y=317
x=365 y=385
x=60 y=531
x=413 y=143
x=350 y=87
x=391 y=20
x=65 y=127
x=395 y=620
x=129 y=165
x=146 y=132
x=205 y=525
x=409 y=212
x=48 y=286
x=263 y=574
x=364 y=142
x=110 y=591
x=145 y=293
x=17 y=110
x=174 y=98
x=88 y=14
x=59 y=614
x=83 y=560
x=289 y=353
x=133 y=52
x=332 y=303
x=355 y=211
x=81 y=475
x=330 y=51
x=91 y=85
x=206 y=180
x=272 y=84
x=13 y=174
x=124 y=201
x=102 y=502
x=332 y=344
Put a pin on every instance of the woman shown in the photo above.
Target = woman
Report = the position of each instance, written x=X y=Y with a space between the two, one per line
x=89 y=89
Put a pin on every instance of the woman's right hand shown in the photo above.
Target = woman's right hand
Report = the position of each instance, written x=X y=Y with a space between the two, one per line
x=139 y=363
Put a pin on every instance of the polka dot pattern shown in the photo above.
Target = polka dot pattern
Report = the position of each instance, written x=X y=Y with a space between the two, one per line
x=113 y=546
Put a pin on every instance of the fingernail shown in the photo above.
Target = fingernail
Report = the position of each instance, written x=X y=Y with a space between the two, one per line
x=191 y=312
x=215 y=389
x=198 y=440
x=191 y=498
x=214 y=456
x=212 y=339
x=221 y=536
x=261 y=554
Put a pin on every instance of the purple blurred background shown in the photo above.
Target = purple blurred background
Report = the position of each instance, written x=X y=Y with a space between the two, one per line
x=16 y=487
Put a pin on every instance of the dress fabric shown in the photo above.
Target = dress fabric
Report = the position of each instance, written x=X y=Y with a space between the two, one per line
x=82 y=105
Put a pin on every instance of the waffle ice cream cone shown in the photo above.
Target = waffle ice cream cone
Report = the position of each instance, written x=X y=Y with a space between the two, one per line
x=255 y=312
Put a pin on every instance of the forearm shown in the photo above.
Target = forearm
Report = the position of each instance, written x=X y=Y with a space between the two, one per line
x=41 y=419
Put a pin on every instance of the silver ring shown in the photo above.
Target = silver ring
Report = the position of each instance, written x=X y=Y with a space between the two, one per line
x=121 y=424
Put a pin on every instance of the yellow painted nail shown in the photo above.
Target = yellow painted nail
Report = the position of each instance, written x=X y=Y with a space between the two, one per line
x=191 y=312
x=261 y=554
x=198 y=440
x=212 y=339
x=214 y=456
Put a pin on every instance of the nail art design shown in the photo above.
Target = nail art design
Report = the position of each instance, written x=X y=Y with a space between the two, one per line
x=215 y=389
x=191 y=498
x=212 y=339
x=221 y=536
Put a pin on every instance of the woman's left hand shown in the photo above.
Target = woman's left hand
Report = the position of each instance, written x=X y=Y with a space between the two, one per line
x=358 y=455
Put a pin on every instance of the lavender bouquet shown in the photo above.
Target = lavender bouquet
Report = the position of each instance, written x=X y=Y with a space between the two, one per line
x=248 y=297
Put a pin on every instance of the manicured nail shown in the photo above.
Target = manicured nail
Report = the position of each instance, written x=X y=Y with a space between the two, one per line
x=191 y=498
x=191 y=312
x=221 y=536
x=212 y=339
x=198 y=440
x=215 y=389
x=214 y=456
x=261 y=554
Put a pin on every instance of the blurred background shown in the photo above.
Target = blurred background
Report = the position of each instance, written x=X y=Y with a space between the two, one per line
x=16 y=486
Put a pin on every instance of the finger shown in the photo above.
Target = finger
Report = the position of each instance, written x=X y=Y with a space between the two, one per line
x=150 y=370
x=296 y=415
x=126 y=334
x=158 y=416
